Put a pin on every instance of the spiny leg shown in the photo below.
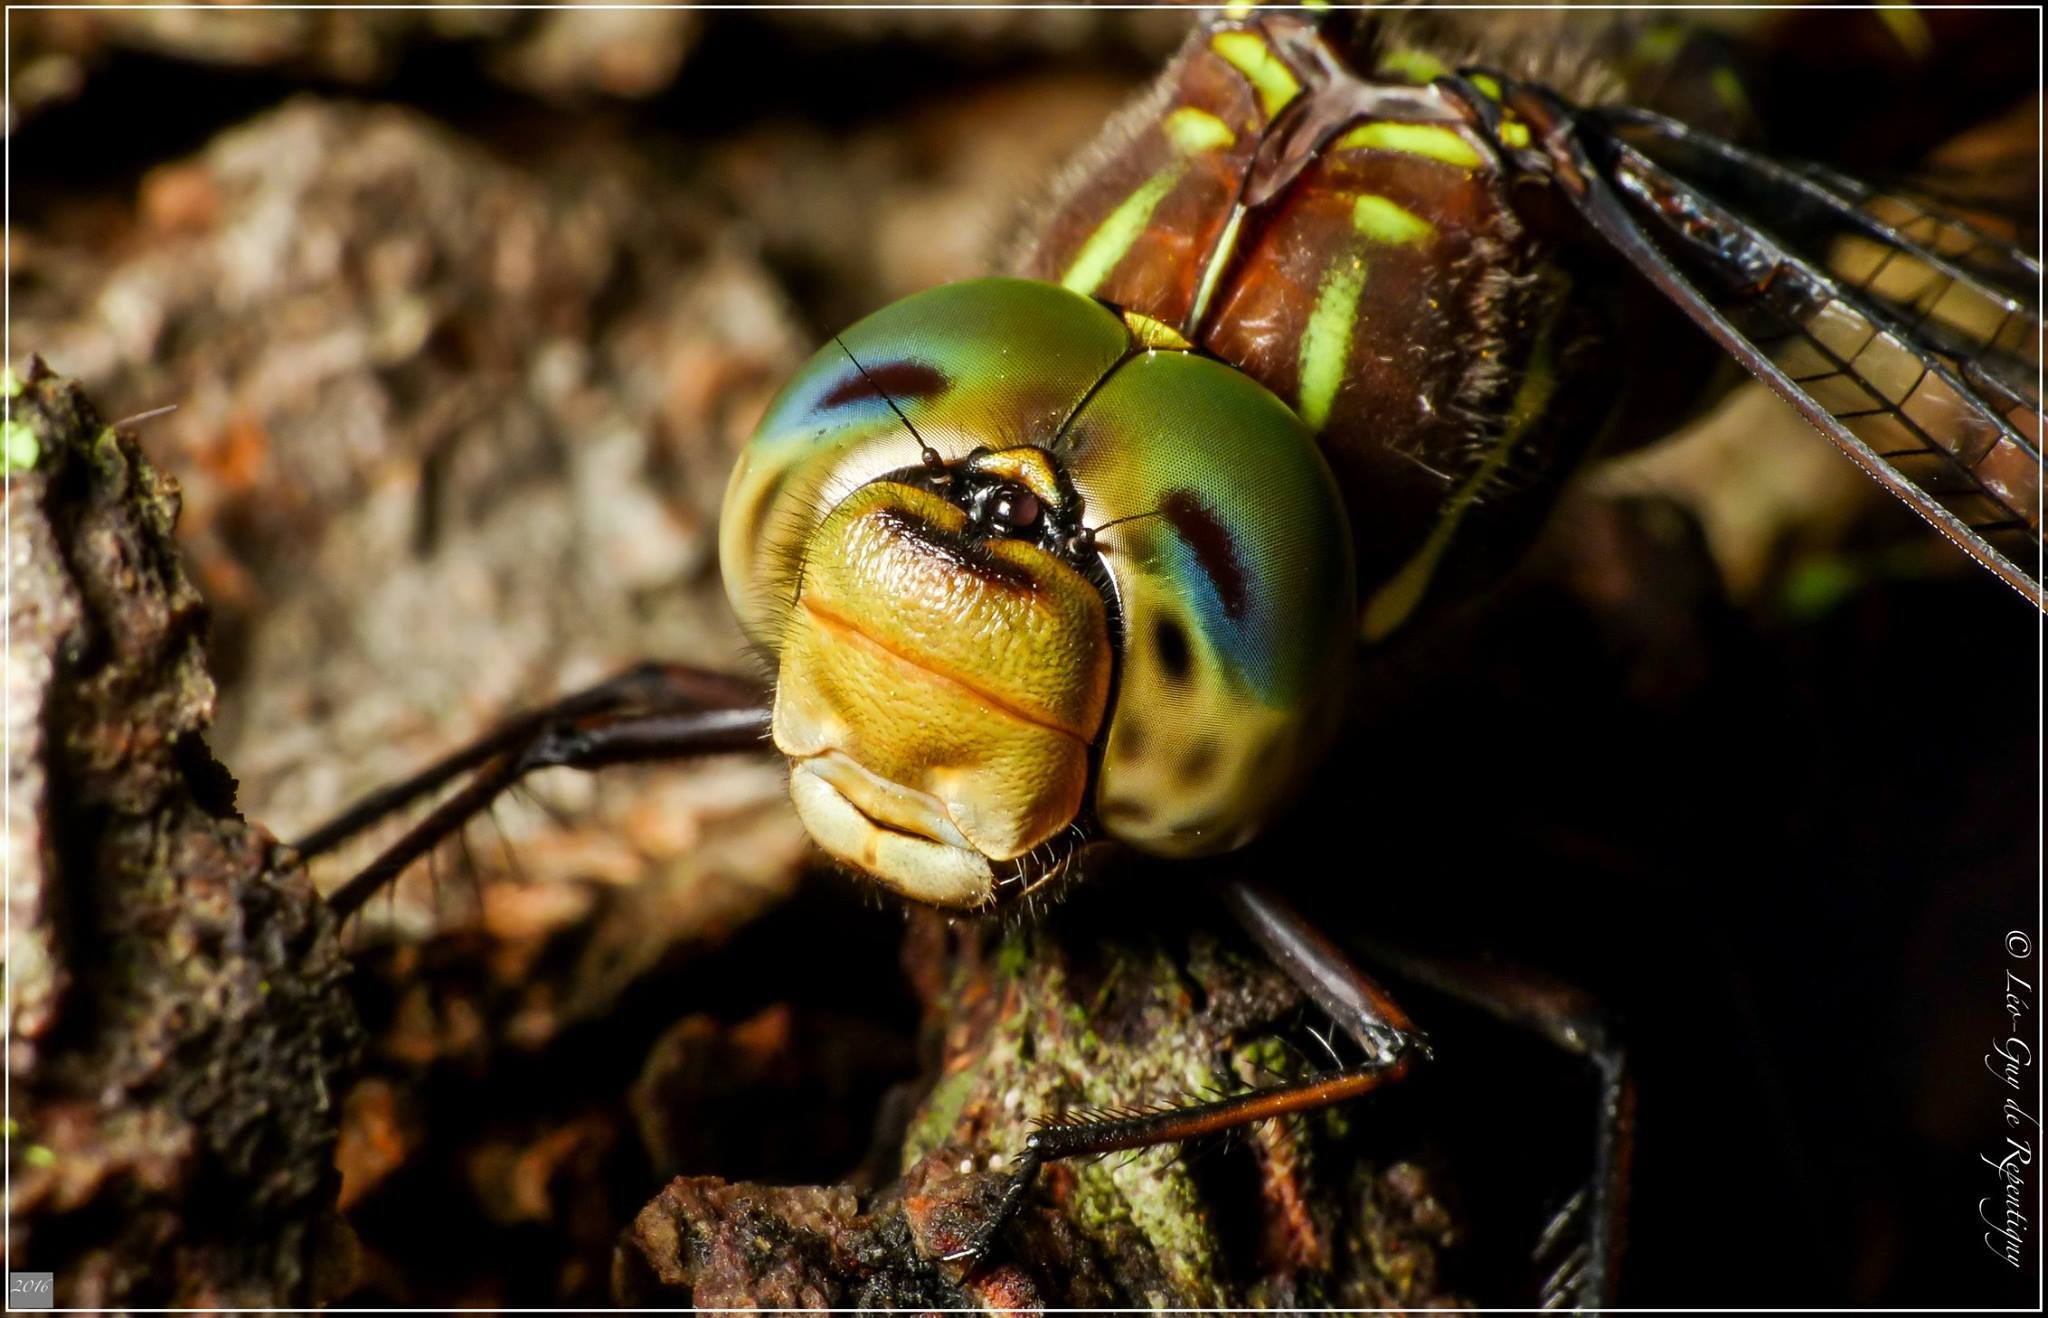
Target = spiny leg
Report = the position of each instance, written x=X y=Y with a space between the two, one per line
x=650 y=686
x=648 y=713
x=1364 y=1009
x=1586 y=1276
x=1060 y=1139
x=587 y=743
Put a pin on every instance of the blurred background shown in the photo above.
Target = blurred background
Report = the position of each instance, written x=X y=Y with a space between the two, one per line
x=464 y=315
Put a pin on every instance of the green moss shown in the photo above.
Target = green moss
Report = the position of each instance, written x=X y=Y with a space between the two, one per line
x=1013 y=954
x=10 y=383
x=1096 y=1207
x=1262 y=1059
x=109 y=464
x=23 y=448
x=1163 y=1203
x=1128 y=1038
x=39 y=1155
x=106 y=451
x=941 y=1114
x=1152 y=1196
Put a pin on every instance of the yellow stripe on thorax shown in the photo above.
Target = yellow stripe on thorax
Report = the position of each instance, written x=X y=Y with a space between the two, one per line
x=1433 y=141
x=1193 y=131
x=1115 y=235
x=1411 y=65
x=1326 y=339
x=1248 y=53
x=1388 y=222
x=1189 y=132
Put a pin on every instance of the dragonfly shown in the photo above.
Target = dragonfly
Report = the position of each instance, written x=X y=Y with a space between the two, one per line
x=1077 y=560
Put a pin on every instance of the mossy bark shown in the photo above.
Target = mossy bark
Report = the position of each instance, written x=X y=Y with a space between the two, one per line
x=1062 y=1015
x=178 y=1022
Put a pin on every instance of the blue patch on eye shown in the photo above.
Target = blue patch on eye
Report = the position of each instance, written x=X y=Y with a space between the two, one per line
x=1230 y=619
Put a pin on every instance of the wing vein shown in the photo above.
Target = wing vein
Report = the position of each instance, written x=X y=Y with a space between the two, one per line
x=1765 y=275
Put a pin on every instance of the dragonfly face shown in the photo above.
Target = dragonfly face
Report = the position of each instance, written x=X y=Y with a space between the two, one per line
x=1035 y=574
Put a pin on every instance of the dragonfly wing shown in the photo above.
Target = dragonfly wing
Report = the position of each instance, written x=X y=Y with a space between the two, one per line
x=1906 y=330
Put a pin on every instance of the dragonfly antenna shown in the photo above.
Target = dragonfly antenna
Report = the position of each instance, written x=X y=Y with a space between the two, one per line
x=1084 y=539
x=932 y=460
x=1119 y=521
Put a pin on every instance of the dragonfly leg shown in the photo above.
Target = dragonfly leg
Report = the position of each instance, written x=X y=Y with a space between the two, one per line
x=1058 y=1139
x=649 y=712
x=1361 y=1007
x=1586 y=1271
x=1321 y=970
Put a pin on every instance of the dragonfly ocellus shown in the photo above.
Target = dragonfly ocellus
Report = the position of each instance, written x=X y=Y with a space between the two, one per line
x=1077 y=559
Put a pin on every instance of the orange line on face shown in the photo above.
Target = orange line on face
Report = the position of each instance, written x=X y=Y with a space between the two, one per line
x=847 y=629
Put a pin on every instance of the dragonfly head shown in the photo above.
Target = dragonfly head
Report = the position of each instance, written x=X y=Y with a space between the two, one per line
x=944 y=671
x=1030 y=583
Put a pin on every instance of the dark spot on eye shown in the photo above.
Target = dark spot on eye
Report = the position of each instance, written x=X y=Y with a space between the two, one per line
x=1130 y=738
x=896 y=380
x=1171 y=643
x=1213 y=545
x=1199 y=763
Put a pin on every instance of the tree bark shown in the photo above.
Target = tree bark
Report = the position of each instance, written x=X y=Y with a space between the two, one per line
x=178 y=1020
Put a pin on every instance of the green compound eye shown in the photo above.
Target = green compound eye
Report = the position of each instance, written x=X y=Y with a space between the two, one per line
x=1203 y=499
x=1235 y=585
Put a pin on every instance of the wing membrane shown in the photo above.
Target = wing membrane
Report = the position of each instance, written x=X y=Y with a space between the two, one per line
x=1902 y=329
